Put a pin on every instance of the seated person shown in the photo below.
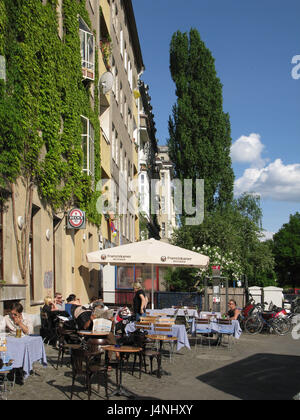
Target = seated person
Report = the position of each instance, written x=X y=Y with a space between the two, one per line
x=72 y=300
x=84 y=318
x=16 y=319
x=233 y=313
x=101 y=310
x=51 y=309
x=58 y=302
x=72 y=304
x=48 y=305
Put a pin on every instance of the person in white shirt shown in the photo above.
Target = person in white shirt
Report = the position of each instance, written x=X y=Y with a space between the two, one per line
x=16 y=319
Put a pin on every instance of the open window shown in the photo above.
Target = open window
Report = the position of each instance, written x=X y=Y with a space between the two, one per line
x=87 y=48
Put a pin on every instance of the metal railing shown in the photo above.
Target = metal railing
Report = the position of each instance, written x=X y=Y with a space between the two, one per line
x=161 y=299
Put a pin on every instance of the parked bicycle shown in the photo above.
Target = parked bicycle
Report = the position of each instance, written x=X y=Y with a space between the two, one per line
x=247 y=311
x=275 y=320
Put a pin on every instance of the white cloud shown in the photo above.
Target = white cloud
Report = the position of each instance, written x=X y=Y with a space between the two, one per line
x=267 y=235
x=276 y=181
x=248 y=149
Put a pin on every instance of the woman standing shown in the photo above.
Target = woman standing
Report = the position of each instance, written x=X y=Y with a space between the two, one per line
x=139 y=301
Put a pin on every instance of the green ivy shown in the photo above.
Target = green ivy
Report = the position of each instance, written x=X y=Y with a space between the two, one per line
x=41 y=104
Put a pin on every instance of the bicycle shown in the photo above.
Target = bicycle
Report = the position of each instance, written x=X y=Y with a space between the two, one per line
x=270 y=320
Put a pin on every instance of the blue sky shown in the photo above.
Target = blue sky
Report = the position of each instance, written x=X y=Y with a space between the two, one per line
x=253 y=44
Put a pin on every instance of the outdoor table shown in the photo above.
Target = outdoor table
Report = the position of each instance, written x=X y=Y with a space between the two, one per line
x=234 y=329
x=178 y=331
x=205 y=314
x=123 y=350
x=4 y=371
x=93 y=334
x=25 y=351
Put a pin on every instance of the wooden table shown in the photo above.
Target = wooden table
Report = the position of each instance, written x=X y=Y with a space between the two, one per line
x=93 y=334
x=122 y=350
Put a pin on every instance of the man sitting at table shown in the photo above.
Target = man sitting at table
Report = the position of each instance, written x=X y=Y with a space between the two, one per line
x=16 y=319
x=84 y=318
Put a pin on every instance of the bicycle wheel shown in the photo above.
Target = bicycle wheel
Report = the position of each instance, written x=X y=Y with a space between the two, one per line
x=282 y=326
x=253 y=325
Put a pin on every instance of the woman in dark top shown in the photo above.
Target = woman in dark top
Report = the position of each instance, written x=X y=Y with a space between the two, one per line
x=139 y=301
x=233 y=313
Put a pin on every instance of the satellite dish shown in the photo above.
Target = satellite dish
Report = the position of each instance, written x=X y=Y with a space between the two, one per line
x=106 y=82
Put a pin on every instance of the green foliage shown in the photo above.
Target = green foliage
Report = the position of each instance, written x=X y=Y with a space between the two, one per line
x=199 y=130
x=286 y=249
x=235 y=231
x=180 y=279
x=40 y=125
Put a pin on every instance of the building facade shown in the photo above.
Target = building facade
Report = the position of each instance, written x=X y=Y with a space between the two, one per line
x=103 y=131
x=40 y=253
x=165 y=192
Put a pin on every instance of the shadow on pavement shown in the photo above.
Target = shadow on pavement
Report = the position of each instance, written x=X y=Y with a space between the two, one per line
x=259 y=377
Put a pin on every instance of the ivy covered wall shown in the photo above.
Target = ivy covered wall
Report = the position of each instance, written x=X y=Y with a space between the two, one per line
x=42 y=101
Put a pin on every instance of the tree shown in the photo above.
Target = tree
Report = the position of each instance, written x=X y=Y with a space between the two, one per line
x=286 y=251
x=199 y=130
x=235 y=231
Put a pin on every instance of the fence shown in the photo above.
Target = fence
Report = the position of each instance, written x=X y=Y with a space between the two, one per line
x=169 y=299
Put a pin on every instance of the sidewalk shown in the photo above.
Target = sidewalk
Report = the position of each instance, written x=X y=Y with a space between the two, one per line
x=265 y=367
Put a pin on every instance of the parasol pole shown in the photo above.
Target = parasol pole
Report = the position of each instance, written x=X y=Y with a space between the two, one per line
x=152 y=295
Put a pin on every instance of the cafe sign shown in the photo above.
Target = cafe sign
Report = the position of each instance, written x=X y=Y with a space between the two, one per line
x=76 y=219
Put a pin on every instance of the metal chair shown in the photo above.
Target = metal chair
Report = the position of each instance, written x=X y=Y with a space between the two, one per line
x=203 y=329
x=223 y=331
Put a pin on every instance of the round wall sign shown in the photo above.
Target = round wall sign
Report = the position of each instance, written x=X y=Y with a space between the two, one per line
x=76 y=218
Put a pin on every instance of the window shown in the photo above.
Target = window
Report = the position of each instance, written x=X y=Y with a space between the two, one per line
x=114 y=15
x=163 y=230
x=87 y=48
x=35 y=210
x=121 y=42
x=125 y=111
x=117 y=150
x=129 y=74
x=113 y=142
x=125 y=57
x=88 y=146
x=1 y=242
x=121 y=98
x=163 y=205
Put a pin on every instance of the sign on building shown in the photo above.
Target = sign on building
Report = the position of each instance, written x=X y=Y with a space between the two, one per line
x=76 y=219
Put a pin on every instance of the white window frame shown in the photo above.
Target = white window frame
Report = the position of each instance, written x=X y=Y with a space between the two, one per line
x=88 y=141
x=87 y=58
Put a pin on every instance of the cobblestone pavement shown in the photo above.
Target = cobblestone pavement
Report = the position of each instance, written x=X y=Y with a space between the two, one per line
x=264 y=367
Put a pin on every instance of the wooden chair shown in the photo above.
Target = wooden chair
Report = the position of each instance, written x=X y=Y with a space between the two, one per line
x=67 y=341
x=167 y=337
x=150 y=319
x=84 y=365
x=163 y=320
x=148 y=350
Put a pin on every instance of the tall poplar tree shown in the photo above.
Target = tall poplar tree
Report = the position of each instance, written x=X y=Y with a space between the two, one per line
x=199 y=131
